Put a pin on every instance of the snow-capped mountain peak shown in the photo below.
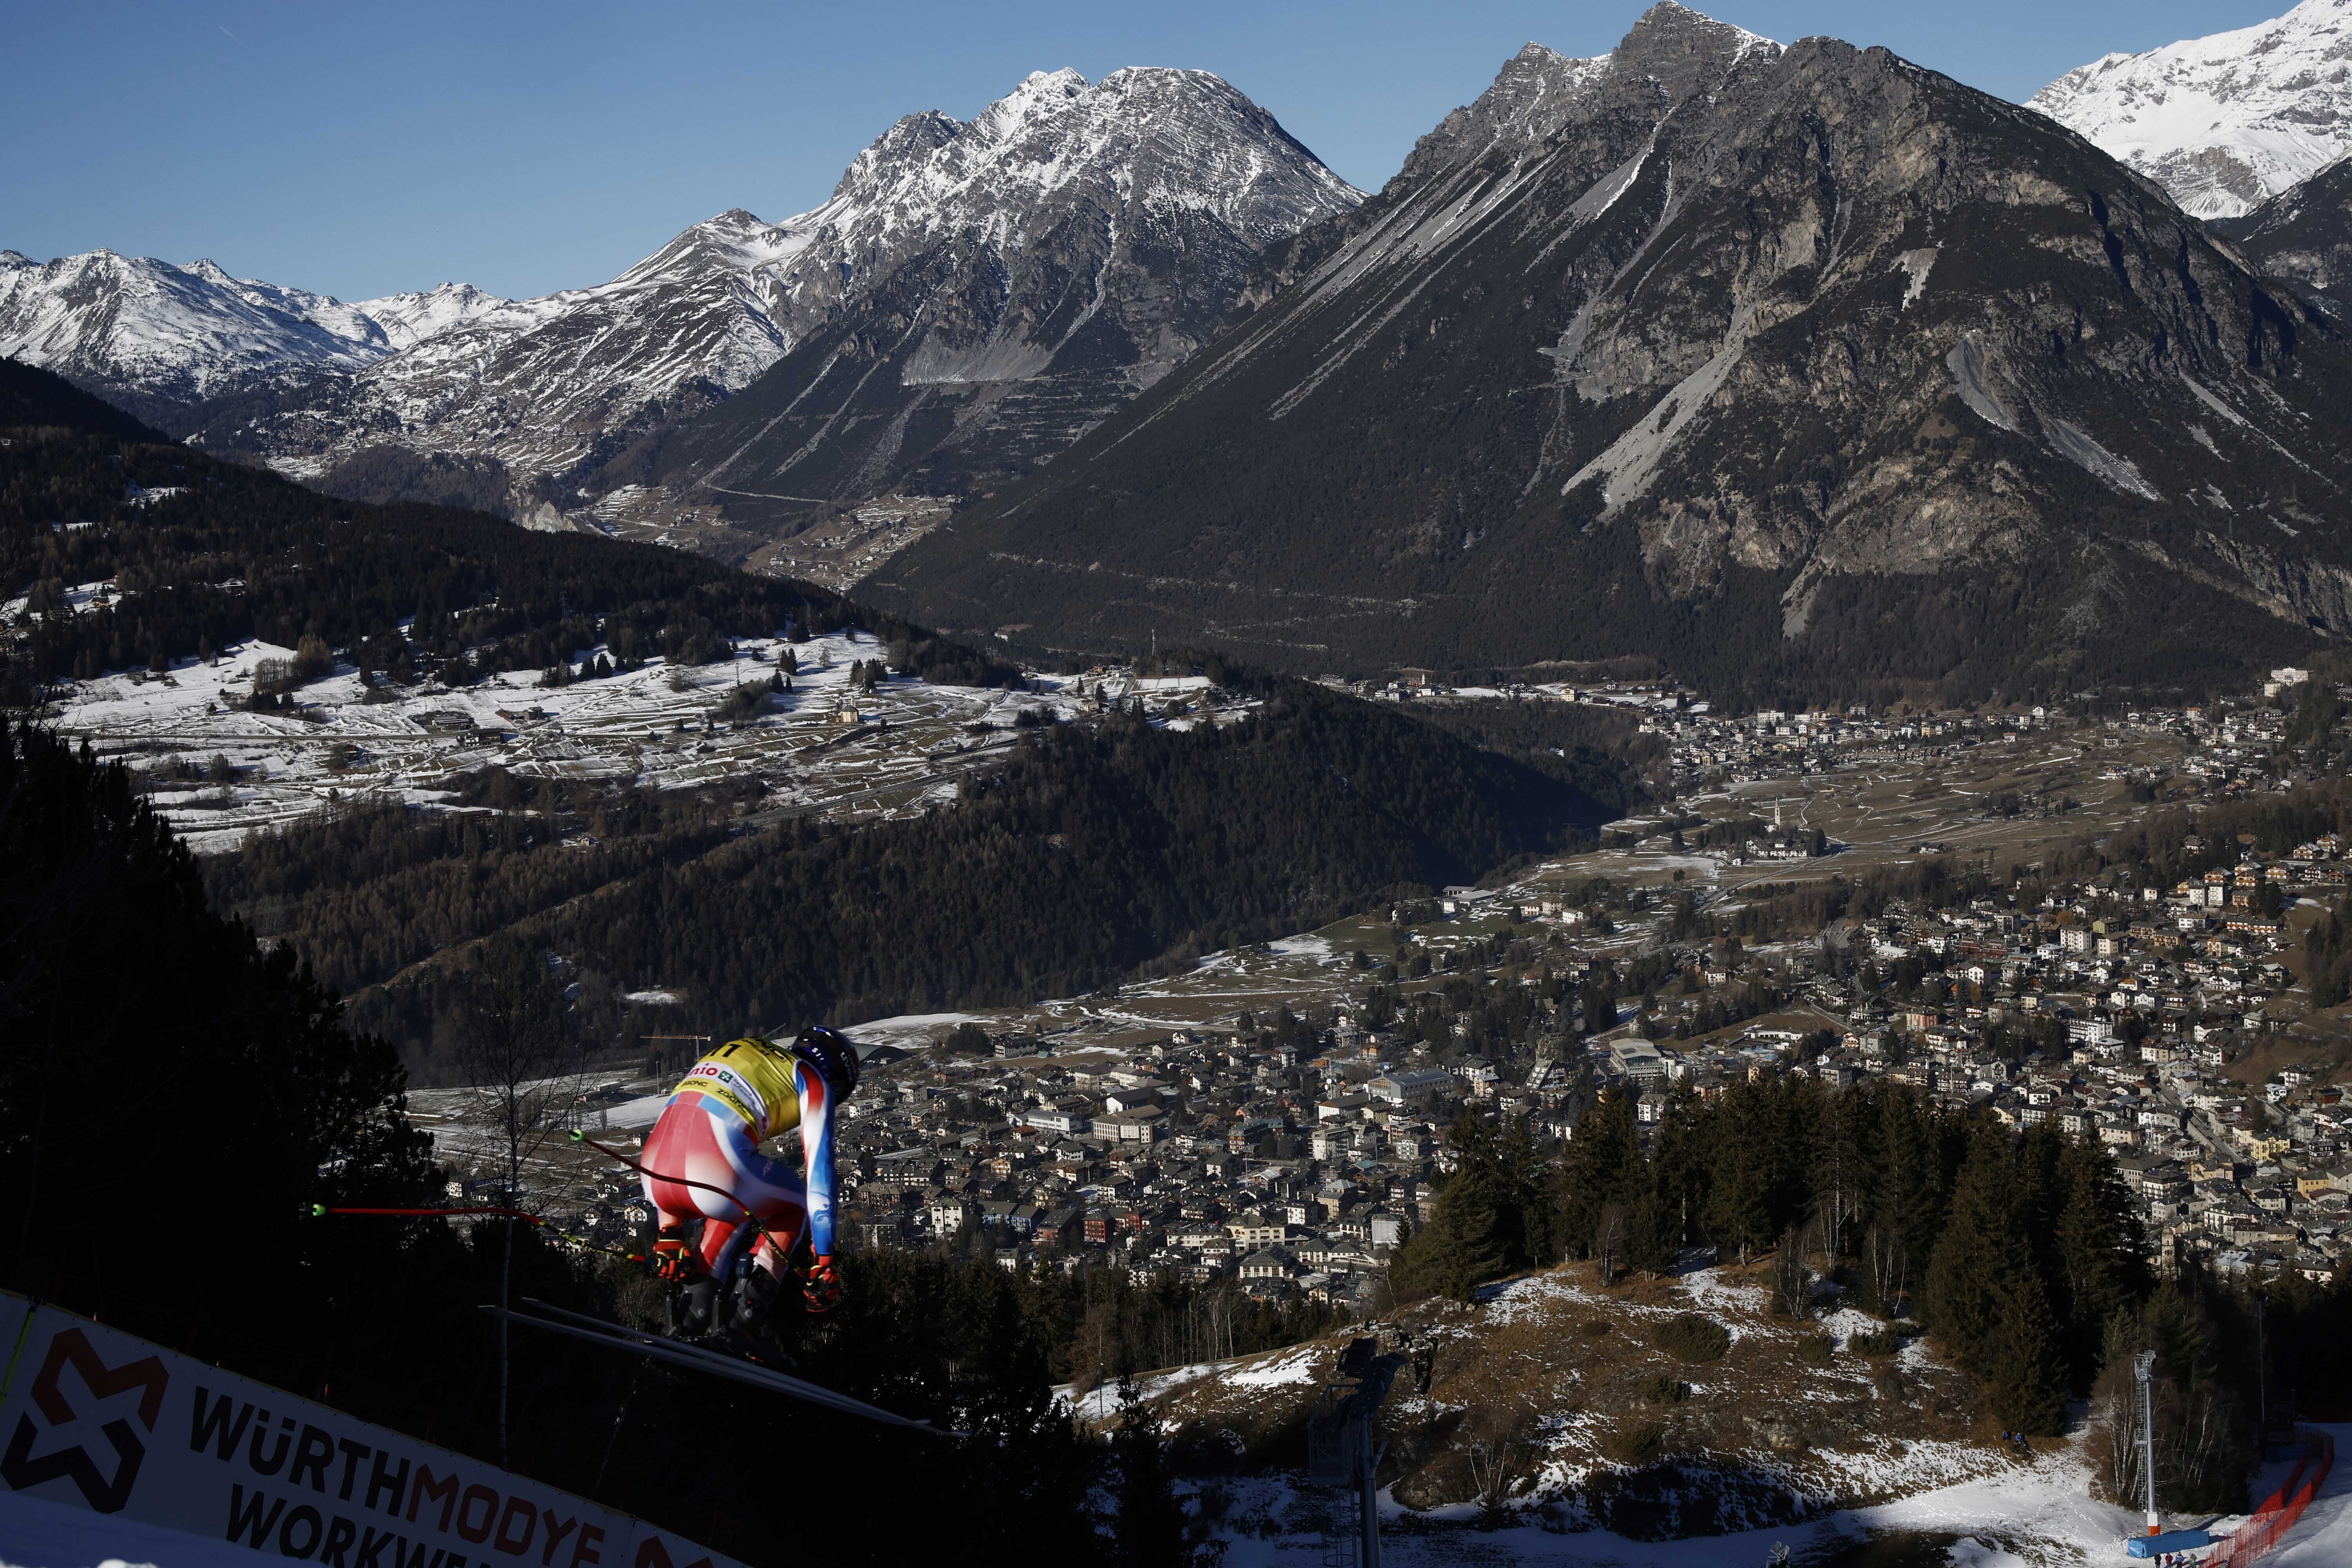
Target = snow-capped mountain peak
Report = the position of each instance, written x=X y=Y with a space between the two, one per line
x=2225 y=121
x=408 y=318
x=148 y=329
x=143 y=330
x=993 y=244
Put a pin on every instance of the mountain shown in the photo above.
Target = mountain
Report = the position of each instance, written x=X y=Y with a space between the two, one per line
x=528 y=388
x=1804 y=370
x=407 y=319
x=1008 y=283
x=987 y=289
x=154 y=336
x=2304 y=232
x=2221 y=122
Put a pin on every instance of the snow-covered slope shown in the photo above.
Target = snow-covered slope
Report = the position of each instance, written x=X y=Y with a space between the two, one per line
x=138 y=325
x=2222 y=122
x=1172 y=174
x=408 y=318
x=156 y=336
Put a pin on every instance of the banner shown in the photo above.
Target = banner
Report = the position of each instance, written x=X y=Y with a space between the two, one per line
x=101 y=1420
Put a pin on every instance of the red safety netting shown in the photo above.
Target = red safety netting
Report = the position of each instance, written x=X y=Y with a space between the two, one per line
x=2267 y=1525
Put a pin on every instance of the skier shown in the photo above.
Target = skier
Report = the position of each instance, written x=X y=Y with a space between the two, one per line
x=702 y=1161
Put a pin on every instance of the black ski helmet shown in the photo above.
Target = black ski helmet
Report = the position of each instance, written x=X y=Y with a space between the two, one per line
x=835 y=1059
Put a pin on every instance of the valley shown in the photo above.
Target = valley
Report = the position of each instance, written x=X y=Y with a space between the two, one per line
x=1642 y=840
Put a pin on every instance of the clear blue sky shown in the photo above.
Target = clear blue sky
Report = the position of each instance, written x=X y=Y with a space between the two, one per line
x=359 y=149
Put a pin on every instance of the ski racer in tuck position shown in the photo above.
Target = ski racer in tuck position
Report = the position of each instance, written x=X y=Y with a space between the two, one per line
x=702 y=1163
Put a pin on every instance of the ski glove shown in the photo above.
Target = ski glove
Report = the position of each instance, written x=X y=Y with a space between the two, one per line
x=672 y=1261
x=822 y=1290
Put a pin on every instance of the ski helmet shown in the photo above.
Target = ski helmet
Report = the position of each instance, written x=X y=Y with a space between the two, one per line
x=835 y=1059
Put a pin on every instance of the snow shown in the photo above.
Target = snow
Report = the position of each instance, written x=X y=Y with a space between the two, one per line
x=1283 y=1371
x=407 y=319
x=908 y=1031
x=2222 y=121
x=2033 y=1513
x=39 y=1534
x=1916 y=265
x=2322 y=1538
x=411 y=742
x=182 y=332
x=1307 y=946
x=1847 y=1322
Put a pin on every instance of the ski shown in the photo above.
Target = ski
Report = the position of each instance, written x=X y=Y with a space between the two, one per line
x=601 y=1331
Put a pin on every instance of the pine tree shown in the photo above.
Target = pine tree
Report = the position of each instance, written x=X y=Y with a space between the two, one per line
x=1973 y=1259
x=1151 y=1528
x=2025 y=1376
x=1740 y=1186
x=2097 y=1252
x=1651 y=1244
x=1592 y=1171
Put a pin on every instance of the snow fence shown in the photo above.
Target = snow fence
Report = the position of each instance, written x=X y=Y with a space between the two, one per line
x=2280 y=1511
x=102 y=1420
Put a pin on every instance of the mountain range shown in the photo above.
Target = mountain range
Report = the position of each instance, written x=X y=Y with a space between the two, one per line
x=1019 y=275
x=157 y=338
x=2304 y=233
x=1795 y=365
x=1800 y=368
x=2222 y=122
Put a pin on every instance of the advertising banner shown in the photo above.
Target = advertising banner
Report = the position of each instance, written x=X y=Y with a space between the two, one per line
x=98 y=1419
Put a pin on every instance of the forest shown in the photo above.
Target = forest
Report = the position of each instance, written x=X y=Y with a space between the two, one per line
x=1094 y=852
x=2020 y=1256
x=177 y=1206
x=201 y=554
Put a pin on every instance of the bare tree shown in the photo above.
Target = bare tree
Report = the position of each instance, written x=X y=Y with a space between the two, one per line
x=1608 y=1239
x=512 y=1047
x=1497 y=1443
x=1793 y=1281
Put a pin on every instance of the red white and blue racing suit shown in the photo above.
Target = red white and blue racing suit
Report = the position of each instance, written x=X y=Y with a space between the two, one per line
x=703 y=1159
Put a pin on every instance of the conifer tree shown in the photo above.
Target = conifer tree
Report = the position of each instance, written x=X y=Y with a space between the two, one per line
x=1651 y=1244
x=2025 y=1375
x=2097 y=1246
x=1970 y=1270
x=1149 y=1530
x=1592 y=1171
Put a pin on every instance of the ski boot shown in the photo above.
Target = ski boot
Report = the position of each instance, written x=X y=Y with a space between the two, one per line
x=750 y=1328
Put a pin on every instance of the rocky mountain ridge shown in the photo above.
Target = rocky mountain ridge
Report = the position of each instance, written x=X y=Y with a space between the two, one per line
x=159 y=337
x=1800 y=367
x=2224 y=122
x=2304 y=232
x=1005 y=284
x=1097 y=224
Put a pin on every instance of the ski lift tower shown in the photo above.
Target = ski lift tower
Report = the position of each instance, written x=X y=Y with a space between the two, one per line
x=1340 y=1449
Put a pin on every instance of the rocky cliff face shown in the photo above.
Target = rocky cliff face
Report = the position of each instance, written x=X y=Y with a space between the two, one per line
x=996 y=288
x=2304 y=233
x=2222 y=122
x=1804 y=367
x=993 y=287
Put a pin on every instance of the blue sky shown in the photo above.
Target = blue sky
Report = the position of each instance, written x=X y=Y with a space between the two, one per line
x=360 y=149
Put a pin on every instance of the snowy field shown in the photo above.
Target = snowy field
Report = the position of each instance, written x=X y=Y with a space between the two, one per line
x=825 y=747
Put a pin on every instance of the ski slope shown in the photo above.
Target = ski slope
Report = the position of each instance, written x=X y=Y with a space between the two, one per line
x=37 y=1534
x=2322 y=1538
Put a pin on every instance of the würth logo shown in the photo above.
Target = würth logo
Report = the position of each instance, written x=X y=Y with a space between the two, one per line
x=20 y=1468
